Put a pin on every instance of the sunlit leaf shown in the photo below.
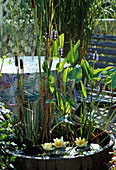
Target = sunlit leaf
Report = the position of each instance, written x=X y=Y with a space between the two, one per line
x=59 y=43
x=50 y=75
x=2 y=61
x=65 y=74
x=51 y=89
x=97 y=72
x=85 y=69
x=83 y=90
x=106 y=69
x=67 y=107
x=73 y=54
x=4 y=56
x=60 y=65
x=112 y=71
x=61 y=104
x=9 y=61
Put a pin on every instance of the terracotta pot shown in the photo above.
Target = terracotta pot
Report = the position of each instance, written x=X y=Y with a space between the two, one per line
x=92 y=161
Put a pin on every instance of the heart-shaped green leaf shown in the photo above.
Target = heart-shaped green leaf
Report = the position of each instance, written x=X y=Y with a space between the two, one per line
x=75 y=74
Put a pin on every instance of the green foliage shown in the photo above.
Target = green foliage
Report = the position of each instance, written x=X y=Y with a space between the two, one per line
x=113 y=82
x=6 y=134
x=59 y=43
x=83 y=90
x=72 y=56
x=76 y=19
x=93 y=77
x=73 y=22
x=75 y=74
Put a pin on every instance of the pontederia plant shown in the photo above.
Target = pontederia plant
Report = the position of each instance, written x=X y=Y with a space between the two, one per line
x=33 y=121
x=87 y=117
x=51 y=108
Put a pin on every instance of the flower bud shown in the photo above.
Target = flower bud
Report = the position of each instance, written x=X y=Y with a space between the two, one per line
x=95 y=56
x=21 y=64
x=7 y=40
x=16 y=60
x=54 y=35
x=60 y=51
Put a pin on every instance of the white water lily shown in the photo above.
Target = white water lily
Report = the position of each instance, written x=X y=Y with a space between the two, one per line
x=59 y=143
x=81 y=142
x=47 y=146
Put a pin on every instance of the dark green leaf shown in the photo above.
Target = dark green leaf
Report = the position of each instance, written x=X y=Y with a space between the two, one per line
x=60 y=65
x=75 y=74
x=84 y=66
x=112 y=71
x=113 y=83
x=72 y=56
x=45 y=66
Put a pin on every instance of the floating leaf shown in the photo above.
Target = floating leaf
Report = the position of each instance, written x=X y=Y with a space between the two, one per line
x=84 y=148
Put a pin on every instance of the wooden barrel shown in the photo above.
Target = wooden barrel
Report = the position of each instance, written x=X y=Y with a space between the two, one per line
x=93 y=161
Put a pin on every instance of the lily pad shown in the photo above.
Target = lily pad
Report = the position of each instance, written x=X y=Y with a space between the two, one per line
x=78 y=149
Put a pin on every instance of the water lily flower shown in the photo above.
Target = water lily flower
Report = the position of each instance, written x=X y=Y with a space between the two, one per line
x=59 y=143
x=81 y=142
x=47 y=146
